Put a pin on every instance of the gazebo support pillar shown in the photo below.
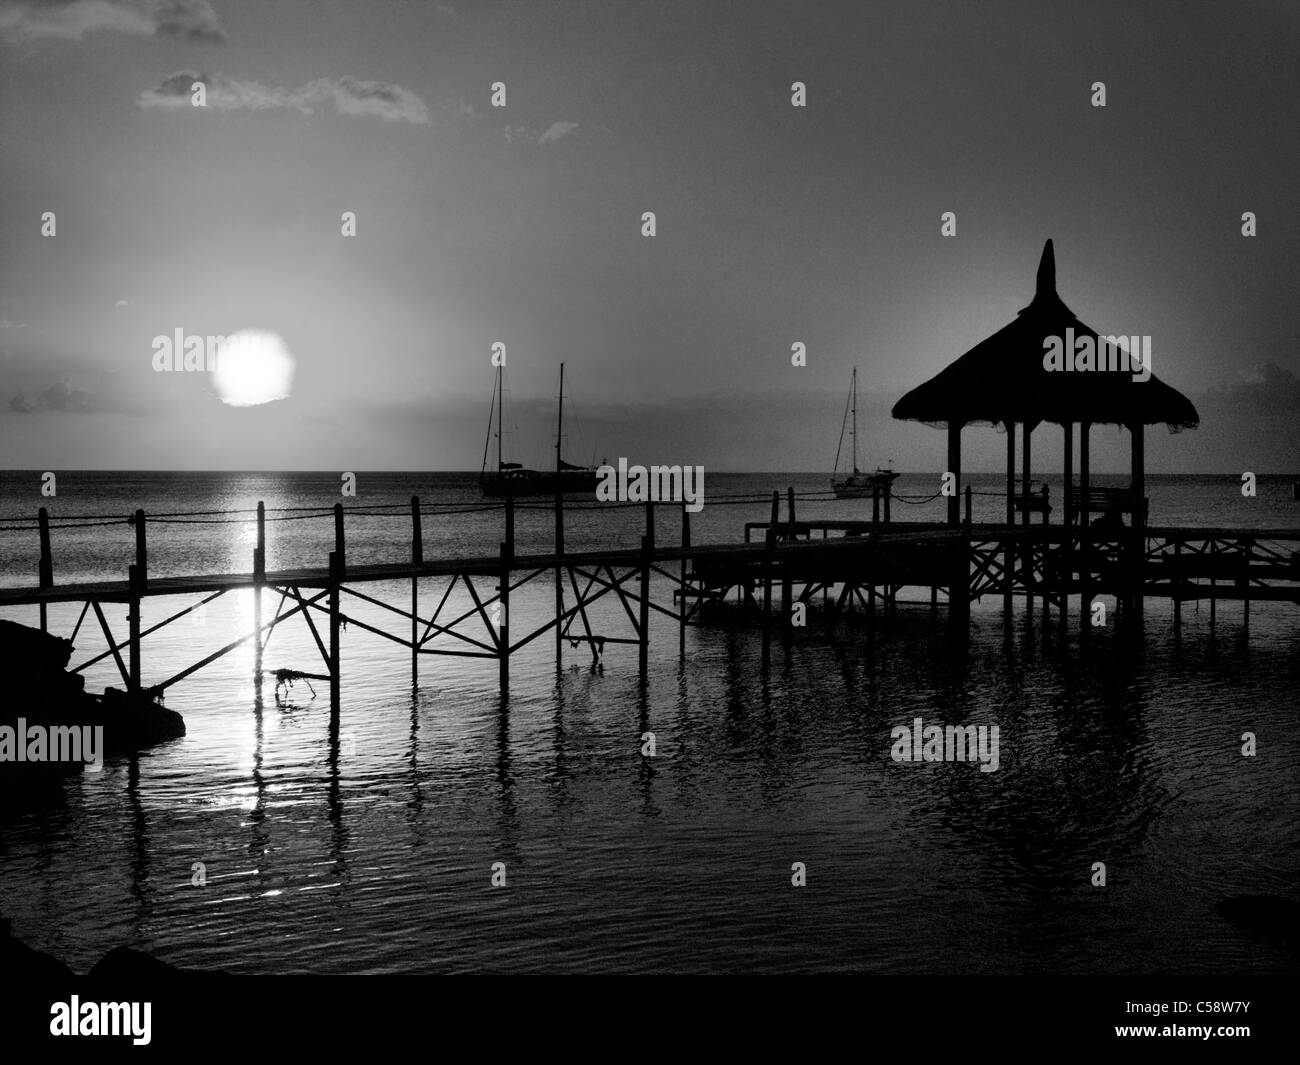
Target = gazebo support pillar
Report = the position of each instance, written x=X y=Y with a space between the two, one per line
x=1066 y=532
x=1138 y=488
x=1011 y=472
x=954 y=467
x=1009 y=556
x=1027 y=561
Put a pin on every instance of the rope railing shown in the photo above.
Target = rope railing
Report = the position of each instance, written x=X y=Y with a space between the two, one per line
x=25 y=523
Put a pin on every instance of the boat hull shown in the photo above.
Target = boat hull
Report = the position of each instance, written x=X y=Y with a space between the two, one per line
x=863 y=485
x=535 y=483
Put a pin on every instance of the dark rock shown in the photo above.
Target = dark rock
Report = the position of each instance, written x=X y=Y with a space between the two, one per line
x=25 y=649
x=127 y=963
x=21 y=964
x=135 y=721
x=1268 y=915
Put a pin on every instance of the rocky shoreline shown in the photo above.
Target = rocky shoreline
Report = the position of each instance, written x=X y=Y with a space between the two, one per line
x=49 y=712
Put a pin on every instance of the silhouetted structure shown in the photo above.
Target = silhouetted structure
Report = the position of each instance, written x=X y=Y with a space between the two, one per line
x=1002 y=381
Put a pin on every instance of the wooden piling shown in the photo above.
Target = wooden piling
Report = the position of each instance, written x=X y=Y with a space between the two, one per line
x=647 y=554
x=45 y=568
x=1085 y=538
x=681 y=583
x=1027 y=556
x=559 y=579
x=1248 y=549
x=417 y=559
x=259 y=578
x=338 y=570
x=503 y=590
x=1137 y=486
x=139 y=577
x=787 y=586
x=1177 y=585
x=1213 y=552
x=769 y=551
x=1008 y=555
x=959 y=589
x=954 y=467
x=1065 y=565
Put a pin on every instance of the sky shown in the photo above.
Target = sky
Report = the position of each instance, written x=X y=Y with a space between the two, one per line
x=523 y=224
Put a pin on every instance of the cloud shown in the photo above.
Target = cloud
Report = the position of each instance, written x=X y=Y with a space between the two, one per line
x=60 y=396
x=554 y=132
x=347 y=95
x=459 y=109
x=104 y=393
x=121 y=303
x=1266 y=388
x=558 y=131
x=32 y=20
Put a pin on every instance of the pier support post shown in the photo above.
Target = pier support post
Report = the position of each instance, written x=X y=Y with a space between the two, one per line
x=1177 y=585
x=139 y=577
x=1248 y=550
x=1065 y=560
x=1008 y=554
x=959 y=589
x=1085 y=536
x=503 y=590
x=1138 y=489
x=559 y=581
x=417 y=559
x=46 y=566
x=1213 y=553
x=787 y=585
x=681 y=583
x=1027 y=558
x=338 y=570
x=259 y=579
x=769 y=551
x=954 y=467
x=647 y=554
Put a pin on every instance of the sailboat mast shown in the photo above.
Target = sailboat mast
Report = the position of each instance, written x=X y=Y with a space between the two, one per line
x=501 y=402
x=855 y=419
x=487 y=437
x=559 y=424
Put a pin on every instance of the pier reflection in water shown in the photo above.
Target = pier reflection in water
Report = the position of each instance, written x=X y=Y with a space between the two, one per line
x=366 y=843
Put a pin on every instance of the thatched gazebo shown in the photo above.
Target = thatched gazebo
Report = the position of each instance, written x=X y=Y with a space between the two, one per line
x=1003 y=381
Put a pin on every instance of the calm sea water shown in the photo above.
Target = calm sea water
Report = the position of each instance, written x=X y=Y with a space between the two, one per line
x=373 y=853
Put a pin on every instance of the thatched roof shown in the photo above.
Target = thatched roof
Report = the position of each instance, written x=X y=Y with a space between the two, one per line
x=1003 y=378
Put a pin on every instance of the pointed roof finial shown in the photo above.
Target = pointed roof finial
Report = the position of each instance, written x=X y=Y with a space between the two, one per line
x=1046 y=273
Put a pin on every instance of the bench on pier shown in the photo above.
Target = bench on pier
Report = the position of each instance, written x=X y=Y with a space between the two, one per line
x=801 y=530
x=1033 y=502
x=1108 y=501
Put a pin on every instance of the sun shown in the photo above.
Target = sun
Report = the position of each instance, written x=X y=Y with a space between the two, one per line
x=253 y=366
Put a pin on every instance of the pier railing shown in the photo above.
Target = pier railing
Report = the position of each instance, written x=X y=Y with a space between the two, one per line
x=847 y=562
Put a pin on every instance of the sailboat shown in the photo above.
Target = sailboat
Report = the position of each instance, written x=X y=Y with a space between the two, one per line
x=513 y=479
x=856 y=485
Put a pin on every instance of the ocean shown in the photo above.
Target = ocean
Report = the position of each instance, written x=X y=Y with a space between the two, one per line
x=375 y=853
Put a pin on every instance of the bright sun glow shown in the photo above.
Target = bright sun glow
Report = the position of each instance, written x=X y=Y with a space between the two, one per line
x=253 y=366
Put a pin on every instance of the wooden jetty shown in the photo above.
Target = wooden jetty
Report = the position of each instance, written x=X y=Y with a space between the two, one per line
x=848 y=563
